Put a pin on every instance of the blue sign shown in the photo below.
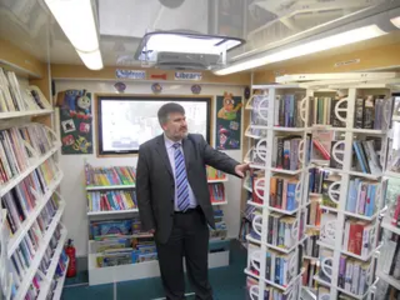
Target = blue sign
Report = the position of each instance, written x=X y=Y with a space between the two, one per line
x=130 y=74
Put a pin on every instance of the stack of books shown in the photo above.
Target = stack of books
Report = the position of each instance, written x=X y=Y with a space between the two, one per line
x=286 y=152
x=21 y=201
x=120 y=242
x=217 y=192
x=369 y=112
x=316 y=180
x=111 y=200
x=287 y=110
x=311 y=247
x=14 y=97
x=353 y=275
x=314 y=214
x=221 y=230
x=100 y=176
x=278 y=268
x=280 y=230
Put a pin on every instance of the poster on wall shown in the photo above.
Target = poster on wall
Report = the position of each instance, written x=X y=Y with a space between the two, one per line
x=75 y=121
x=228 y=125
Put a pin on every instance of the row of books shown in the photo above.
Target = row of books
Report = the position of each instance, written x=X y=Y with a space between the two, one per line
x=22 y=199
x=358 y=237
x=281 y=230
x=213 y=174
x=14 y=155
x=111 y=200
x=217 y=192
x=311 y=268
x=286 y=152
x=60 y=272
x=38 y=280
x=278 y=268
x=15 y=97
x=283 y=192
x=317 y=176
x=353 y=275
x=365 y=156
x=362 y=197
x=123 y=251
x=23 y=258
x=119 y=242
x=368 y=112
x=101 y=176
x=311 y=247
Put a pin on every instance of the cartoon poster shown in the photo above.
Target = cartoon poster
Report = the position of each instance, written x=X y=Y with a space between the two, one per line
x=228 y=125
x=75 y=121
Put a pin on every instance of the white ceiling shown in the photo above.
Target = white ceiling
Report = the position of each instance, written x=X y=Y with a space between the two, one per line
x=29 y=25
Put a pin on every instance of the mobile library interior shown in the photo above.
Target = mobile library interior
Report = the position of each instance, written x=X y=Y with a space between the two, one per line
x=306 y=92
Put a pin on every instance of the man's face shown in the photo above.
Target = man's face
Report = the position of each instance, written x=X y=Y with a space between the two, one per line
x=176 y=127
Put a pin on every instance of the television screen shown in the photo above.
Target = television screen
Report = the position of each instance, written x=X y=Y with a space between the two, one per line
x=127 y=122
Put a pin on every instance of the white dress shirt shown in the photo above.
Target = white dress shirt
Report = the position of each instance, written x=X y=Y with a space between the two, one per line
x=169 y=145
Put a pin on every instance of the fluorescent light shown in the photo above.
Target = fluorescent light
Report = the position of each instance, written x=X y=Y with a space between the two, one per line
x=178 y=42
x=92 y=60
x=334 y=41
x=76 y=19
x=396 y=21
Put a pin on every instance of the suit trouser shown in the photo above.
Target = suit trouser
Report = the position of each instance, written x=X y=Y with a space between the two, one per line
x=189 y=238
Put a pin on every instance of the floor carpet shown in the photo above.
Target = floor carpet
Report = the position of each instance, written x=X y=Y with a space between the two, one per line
x=228 y=283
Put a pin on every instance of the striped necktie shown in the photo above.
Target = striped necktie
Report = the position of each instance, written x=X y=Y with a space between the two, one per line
x=181 y=182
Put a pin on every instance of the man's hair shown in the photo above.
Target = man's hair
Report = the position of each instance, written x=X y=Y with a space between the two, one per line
x=166 y=109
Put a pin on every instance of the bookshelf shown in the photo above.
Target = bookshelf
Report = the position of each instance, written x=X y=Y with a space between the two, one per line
x=276 y=186
x=6 y=279
x=388 y=271
x=29 y=180
x=355 y=169
x=110 y=185
x=351 y=195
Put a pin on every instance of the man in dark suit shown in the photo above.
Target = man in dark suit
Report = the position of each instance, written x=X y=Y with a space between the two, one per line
x=174 y=202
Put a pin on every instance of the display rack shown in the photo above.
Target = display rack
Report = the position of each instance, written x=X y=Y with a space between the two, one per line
x=218 y=245
x=261 y=157
x=388 y=262
x=333 y=229
x=45 y=246
x=338 y=193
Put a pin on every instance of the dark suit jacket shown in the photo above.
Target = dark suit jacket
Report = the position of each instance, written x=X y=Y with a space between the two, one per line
x=155 y=181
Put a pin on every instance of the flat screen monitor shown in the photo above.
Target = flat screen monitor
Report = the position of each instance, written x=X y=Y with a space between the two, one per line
x=124 y=123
